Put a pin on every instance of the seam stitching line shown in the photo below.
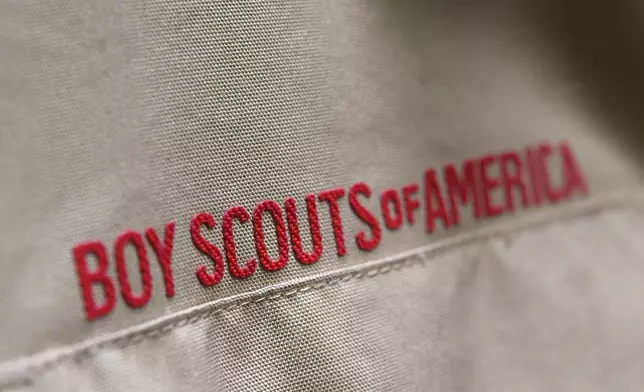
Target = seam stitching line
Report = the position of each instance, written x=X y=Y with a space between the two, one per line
x=418 y=256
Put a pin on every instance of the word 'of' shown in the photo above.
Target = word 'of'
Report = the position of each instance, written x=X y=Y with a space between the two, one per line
x=520 y=180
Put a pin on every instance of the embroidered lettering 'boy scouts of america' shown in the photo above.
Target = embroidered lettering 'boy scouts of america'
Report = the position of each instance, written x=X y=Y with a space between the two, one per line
x=490 y=185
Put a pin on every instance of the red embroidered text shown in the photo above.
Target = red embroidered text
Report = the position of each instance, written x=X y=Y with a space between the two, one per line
x=484 y=187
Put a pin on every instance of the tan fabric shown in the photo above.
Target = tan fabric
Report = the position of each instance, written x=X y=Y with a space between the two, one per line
x=499 y=313
x=127 y=114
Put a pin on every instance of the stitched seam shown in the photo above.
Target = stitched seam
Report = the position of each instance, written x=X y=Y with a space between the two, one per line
x=418 y=256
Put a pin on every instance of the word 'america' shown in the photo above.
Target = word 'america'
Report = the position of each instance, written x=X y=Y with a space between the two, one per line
x=489 y=186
